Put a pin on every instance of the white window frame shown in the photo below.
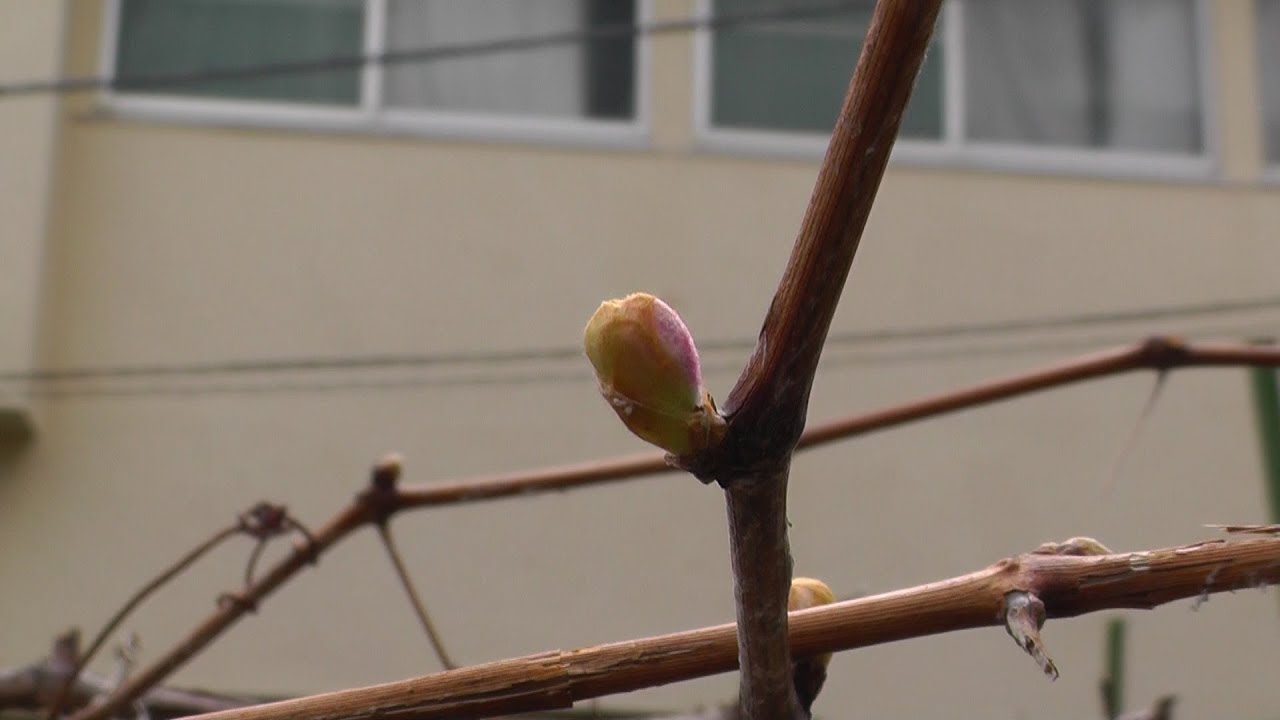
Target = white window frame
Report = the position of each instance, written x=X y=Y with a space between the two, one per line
x=952 y=150
x=369 y=115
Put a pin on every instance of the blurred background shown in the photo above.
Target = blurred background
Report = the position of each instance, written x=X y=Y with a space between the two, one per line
x=224 y=279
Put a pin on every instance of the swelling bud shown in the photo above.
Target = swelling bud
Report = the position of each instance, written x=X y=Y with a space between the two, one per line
x=648 y=370
x=809 y=674
x=810 y=593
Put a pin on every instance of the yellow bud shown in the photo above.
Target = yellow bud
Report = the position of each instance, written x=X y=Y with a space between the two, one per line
x=810 y=593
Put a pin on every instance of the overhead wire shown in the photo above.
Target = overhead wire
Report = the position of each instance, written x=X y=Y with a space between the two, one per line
x=424 y=54
x=393 y=361
x=831 y=361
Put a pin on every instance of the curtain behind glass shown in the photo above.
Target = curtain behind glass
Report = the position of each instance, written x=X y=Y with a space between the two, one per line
x=1269 y=74
x=792 y=74
x=1083 y=73
x=160 y=37
x=553 y=81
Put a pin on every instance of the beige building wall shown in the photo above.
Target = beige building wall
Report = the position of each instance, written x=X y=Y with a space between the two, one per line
x=178 y=243
x=30 y=47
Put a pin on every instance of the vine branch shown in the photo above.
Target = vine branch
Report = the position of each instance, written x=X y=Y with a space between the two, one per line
x=1159 y=353
x=1156 y=353
x=419 y=609
x=184 y=562
x=1068 y=585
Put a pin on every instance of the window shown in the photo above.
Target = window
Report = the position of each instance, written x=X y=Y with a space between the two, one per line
x=790 y=74
x=1269 y=72
x=572 y=86
x=181 y=36
x=591 y=79
x=1080 y=80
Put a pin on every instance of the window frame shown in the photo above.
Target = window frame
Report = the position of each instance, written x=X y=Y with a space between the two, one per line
x=952 y=149
x=369 y=115
x=1270 y=167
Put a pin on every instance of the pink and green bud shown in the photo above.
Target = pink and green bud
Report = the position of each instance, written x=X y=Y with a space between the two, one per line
x=648 y=369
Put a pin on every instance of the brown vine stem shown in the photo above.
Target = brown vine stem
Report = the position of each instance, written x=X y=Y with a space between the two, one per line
x=130 y=605
x=779 y=373
x=419 y=609
x=344 y=522
x=761 y=561
x=1157 y=353
x=767 y=407
x=1068 y=585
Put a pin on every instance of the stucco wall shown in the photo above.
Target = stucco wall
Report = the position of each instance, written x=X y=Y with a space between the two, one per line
x=30 y=48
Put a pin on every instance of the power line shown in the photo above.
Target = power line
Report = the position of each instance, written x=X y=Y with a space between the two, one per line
x=1061 y=322
x=393 y=361
x=425 y=54
x=582 y=374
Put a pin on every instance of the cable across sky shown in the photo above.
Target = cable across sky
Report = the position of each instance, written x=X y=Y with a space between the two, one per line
x=360 y=382
x=525 y=356
x=425 y=54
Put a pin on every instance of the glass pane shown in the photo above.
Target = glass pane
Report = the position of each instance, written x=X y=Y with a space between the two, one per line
x=1269 y=71
x=791 y=74
x=160 y=37
x=1083 y=73
x=594 y=79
